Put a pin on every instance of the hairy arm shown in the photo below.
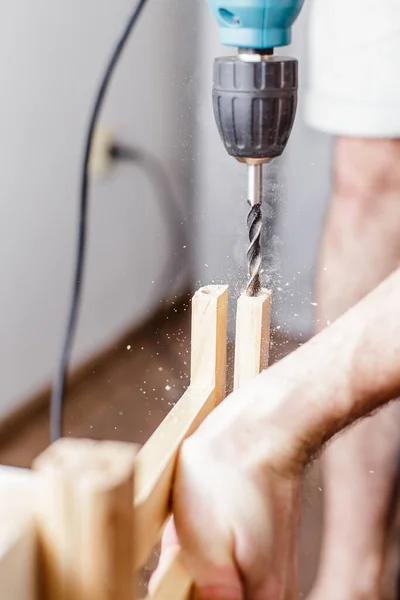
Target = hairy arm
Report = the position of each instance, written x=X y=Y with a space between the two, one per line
x=344 y=373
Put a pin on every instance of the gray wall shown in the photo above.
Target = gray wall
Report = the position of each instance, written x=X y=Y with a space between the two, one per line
x=51 y=58
x=305 y=179
x=297 y=188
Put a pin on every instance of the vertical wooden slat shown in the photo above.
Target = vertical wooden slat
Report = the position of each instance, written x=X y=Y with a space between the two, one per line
x=156 y=460
x=208 y=345
x=85 y=520
x=18 y=556
x=252 y=336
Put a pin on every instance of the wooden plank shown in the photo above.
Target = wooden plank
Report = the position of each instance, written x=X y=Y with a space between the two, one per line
x=155 y=466
x=18 y=557
x=156 y=461
x=252 y=336
x=18 y=562
x=208 y=344
x=85 y=520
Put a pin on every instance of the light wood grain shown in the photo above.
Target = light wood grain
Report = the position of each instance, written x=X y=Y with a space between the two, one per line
x=18 y=556
x=252 y=336
x=208 y=343
x=156 y=461
x=155 y=466
x=85 y=520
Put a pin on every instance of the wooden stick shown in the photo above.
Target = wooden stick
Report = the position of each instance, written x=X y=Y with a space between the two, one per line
x=18 y=555
x=208 y=345
x=85 y=520
x=155 y=467
x=252 y=336
x=156 y=460
x=18 y=563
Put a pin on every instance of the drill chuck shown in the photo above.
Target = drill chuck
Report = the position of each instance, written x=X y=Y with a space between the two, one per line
x=254 y=102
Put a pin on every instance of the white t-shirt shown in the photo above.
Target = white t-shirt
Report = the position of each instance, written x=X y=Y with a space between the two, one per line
x=354 y=67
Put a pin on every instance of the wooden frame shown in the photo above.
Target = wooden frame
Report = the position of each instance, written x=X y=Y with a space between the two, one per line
x=86 y=518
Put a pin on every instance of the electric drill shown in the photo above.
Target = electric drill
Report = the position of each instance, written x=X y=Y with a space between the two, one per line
x=255 y=96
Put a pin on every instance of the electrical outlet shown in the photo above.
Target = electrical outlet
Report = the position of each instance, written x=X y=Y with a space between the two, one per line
x=100 y=161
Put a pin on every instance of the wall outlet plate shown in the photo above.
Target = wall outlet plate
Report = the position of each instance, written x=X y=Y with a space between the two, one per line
x=100 y=161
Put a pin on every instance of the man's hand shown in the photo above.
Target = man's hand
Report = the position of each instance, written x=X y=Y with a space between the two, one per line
x=236 y=513
x=236 y=492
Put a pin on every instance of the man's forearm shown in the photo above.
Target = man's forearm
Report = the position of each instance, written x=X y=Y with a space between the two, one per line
x=344 y=373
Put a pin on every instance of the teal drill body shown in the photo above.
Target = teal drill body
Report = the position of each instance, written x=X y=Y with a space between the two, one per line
x=256 y=24
x=255 y=97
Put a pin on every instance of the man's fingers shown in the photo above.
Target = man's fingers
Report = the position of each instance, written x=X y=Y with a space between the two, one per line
x=169 y=537
x=203 y=527
x=208 y=556
x=254 y=542
x=265 y=542
x=223 y=590
x=237 y=532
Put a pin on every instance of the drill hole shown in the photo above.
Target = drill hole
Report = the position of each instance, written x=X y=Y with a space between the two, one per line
x=206 y=291
x=229 y=18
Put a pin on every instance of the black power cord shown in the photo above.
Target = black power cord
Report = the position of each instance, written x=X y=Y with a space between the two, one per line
x=58 y=392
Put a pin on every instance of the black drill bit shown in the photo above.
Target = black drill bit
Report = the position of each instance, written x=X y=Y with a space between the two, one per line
x=254 y=224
